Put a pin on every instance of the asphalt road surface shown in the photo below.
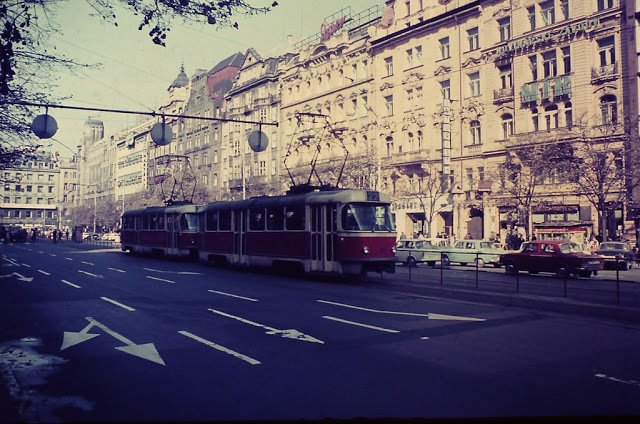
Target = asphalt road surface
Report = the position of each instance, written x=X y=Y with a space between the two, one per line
x=102 y=335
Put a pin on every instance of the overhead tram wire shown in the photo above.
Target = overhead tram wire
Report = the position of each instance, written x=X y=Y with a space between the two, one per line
x=133 y=112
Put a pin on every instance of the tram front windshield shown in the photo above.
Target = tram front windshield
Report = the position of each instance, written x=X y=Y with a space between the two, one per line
x=189 y=221
x=367 y=217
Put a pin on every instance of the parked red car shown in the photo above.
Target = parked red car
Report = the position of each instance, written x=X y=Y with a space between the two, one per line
x=564 y=258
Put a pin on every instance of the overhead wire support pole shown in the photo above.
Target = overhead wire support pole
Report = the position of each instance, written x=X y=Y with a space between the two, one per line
x=133 y=112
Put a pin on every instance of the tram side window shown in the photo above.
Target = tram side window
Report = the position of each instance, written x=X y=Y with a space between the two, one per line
x=295 y=217
x=160 y=222
x=275 y=218
x=256 y=219
x=212 y=221
x=189 y=221
x=153 y=224
x=224 y=221
x=145 y=222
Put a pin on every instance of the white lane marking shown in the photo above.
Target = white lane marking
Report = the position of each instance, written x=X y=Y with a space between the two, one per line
x=43 y=272
x=40 y=251
x=172 y=272
x=87 y=263
x=427 y=315
x=116 y=269
x=68 y=259
x=359 y=324
x=233 y=295
x=619 y=380
x=71 y=284
x=424 y=338
x=160 y=279
x=88 y=273
x=52 y=254
x=122 y=305
x=220 y=348
x=291 y=333
x=27 y=265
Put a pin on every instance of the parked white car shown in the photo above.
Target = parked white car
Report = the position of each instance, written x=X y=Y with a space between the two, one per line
x=466 y=252
x=412 y=251
x=111 y=237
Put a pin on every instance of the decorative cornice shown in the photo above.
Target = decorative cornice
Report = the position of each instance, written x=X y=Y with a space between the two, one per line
x=472 y=61
x=442 y=69
x=413 y=76
x=386 y=86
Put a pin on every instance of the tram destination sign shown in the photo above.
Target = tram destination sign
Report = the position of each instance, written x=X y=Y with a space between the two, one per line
x=555 y=34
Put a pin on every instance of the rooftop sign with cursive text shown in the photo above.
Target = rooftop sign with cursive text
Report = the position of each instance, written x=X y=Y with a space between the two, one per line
x=327 y=31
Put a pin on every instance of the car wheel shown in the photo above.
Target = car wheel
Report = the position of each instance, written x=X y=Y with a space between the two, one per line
x=480 y=263
x=510 y=269
x=445 y=260
x=411 y=262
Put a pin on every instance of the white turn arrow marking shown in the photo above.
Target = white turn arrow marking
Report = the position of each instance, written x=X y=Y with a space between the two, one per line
x=173 y=272
x=19 y=277
x=145 y=351
x=413 y=314
x=290 y=333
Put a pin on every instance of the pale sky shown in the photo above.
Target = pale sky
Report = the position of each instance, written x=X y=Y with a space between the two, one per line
x=135 y=73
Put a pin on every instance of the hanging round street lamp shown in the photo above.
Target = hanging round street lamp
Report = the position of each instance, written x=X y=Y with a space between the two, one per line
x=161 y=133
x=44 y=126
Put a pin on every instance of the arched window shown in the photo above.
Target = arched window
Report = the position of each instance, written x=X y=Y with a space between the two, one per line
x=507 y=125
x=609 y=109
x=389 y=146
x=419 y=140
x=568 y=114
x=410 y=139
x=476 y=135
x=551 y=117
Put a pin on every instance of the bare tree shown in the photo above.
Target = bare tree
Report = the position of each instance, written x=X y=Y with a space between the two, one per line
x=424 y=183
x=599 y=165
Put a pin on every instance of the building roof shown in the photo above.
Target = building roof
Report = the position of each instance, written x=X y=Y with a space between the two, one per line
x=235 y=59
x=181 y=80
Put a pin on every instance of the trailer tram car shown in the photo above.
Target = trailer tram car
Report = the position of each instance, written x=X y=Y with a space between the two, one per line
x=162 y=230
x=337 y=231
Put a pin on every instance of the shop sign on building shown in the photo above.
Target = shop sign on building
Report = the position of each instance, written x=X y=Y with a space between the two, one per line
x=555 y=34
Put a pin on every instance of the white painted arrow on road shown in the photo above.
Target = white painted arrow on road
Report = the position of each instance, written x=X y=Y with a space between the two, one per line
x=145 y=351
x=19 y=277
x=428 y=315
x=290 y=333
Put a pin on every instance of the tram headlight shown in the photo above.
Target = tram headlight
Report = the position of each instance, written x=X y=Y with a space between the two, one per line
x=365 y=250
x=394 y=250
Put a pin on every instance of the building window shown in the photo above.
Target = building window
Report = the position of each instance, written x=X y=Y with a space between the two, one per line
x=566 y=59
x=533 y=65
x=409 y=104
x=388 y=66
x=609 y=109
x=409 y=58
x=473 y=38
x=418 y=97
x=504 y=28
x=445 y=89
x=507 y=125
x=506 y=79
x=607 y=51
x=407 y=5
x=389 y=146
x=474 y=84
x=551 y=117
x=605 y=4
x=549 y=64
x=476 y=135
x=564 y=7
x=535 y=124
x=419 y=140
x=548 y=12
x=568 y=115
x=531 y=14
x=419 y=54
x=388 y=100
x=445 y=51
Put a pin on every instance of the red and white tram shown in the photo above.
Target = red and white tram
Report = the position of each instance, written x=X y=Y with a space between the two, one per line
x=338 y=231
x=164 y=230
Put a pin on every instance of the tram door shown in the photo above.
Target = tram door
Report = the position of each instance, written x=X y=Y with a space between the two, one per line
x=239 y=237
x=173 y=228
x=323 y=218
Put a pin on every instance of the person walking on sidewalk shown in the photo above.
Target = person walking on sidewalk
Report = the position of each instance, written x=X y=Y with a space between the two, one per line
x=55 y=236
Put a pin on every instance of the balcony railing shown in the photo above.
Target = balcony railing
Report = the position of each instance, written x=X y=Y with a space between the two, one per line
x=604 y=73
x=503 y=95
x=549 y=89
x=409 y=157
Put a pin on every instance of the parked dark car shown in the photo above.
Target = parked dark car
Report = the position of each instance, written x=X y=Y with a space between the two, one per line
x=616 y=255
x=17 y=234
x=564 y=258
